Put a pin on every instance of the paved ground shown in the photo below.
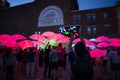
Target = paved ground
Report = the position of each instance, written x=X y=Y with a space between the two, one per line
x=65 y=76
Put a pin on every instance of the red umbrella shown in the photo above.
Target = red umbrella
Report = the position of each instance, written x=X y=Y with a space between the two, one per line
x=18 y=37
x=48 y=34
x=39 y=43
x=25 y=44
x=101 y=39
x=4 y=37
x=103 y=45
x=97 y=53
x=76 y=40
x=62 y=40
x=87 y=42
x=35 y=36
x=114 y=42
x=10 y=43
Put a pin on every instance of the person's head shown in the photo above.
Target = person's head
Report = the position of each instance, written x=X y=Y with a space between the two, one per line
x=31 y=49
x=112 y=48
x=60 y=45
x=79 y=48
x=49 y=46
x=8 y=51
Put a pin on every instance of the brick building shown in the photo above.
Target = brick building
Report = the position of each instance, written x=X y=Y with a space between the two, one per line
x=49 y=15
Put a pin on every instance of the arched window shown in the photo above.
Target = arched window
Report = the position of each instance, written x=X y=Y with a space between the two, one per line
x=51 y=16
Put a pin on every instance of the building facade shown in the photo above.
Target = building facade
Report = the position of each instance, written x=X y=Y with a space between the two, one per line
x=48 y=15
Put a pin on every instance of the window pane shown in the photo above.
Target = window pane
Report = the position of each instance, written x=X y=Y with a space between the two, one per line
x=105 y=29
x=74 y=19
x=94 y=30
x=89 y=30
x=105 y=16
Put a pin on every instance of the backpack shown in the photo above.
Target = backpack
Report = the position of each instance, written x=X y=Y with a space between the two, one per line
x=82 y=68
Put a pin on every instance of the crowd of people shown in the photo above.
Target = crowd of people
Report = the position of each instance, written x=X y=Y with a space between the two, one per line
x=53 y=60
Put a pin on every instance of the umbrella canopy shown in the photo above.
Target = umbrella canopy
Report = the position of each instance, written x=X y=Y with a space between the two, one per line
x=39 y=43
x=92 y=39
x=61 y=38
x=101 y=39
x=114 y=42
x=10 y=43
x=48 y=34
x=4 y=37
x=96 y=53
x=18 y=37
x=25 y=44
x=87 y=42
x=103 y=45
x=36 y=36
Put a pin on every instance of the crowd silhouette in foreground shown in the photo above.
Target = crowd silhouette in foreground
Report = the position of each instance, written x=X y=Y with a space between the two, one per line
x=53 y=60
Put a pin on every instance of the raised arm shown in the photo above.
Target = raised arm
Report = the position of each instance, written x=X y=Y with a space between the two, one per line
x=70 y=43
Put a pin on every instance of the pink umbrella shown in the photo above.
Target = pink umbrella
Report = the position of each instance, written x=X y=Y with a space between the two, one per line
x=101 y=39
x=18 y=37
x=62 y=40
x=48 y=34
x=103 y=45
x=58 y=36
x=10 y=43
x=4 y=37
x=76 y=40
x=39 y=43
x=25 y=44
x=114 y=42
x=35 y=36
x=97 y=53
x=87 y=42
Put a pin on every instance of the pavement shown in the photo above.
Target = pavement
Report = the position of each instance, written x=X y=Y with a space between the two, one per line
x=98 y=75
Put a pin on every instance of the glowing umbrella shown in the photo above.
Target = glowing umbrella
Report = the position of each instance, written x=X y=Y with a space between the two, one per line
x=18 y=37
x=114 y=42
x=39 y=43
x=35 y=36
x=76 y=40
x=103 y=45
x=92 y=39
x=58 y=36
x=10 y=43
x=25 y=44
x=62 y=40
x=87 y=42
x=4 y=37
x=101 y=39
x=48 y=34
x=97 y=53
